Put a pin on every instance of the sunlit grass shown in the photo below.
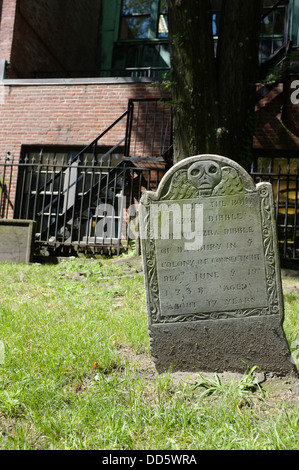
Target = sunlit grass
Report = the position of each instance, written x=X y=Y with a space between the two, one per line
x=75 y=335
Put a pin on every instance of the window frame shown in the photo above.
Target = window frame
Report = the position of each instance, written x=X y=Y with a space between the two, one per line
x=154 y=18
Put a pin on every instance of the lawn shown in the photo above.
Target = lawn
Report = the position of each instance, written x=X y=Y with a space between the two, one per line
x=76 y=373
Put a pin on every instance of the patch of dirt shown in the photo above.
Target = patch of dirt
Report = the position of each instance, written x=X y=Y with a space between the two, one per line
x=290 y=273
x=290 y=281
x=141 y=363
x=7 y=427
x=131 y=264
x=279 y=388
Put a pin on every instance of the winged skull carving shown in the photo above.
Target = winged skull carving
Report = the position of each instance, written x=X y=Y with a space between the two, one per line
x=204 y=178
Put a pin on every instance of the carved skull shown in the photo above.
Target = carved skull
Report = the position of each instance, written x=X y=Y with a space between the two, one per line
x=205 y=175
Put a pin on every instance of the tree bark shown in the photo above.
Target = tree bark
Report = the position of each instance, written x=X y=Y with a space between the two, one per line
x=214 y=94
x=193 y=76
x=237 y=65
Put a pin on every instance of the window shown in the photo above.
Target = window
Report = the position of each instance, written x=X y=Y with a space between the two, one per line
x=163 y=20
x=135 y=19
x=273 y=27
x=142 y=48
x=216 y=12
x=273 y=17
x=143 y=19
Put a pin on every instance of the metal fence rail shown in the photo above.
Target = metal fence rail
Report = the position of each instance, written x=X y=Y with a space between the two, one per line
x=285 y=183
x=90 y=205
x=78 y=205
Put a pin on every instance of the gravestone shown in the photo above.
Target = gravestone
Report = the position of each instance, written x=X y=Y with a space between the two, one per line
x=212 y=271
x=16 y=240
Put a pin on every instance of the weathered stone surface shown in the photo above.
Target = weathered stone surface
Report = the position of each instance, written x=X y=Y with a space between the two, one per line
x=16 y=240
x=212 y=272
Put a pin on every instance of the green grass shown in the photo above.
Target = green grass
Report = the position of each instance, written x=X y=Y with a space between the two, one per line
x=76 y=372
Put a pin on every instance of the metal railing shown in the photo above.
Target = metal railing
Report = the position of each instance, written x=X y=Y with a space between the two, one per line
x=88 y=205
x=132 y=72
x=78 y=206
x=285 y=183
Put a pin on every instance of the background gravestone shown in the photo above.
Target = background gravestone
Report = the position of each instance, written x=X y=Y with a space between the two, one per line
x=16 y=240
x=212 y=271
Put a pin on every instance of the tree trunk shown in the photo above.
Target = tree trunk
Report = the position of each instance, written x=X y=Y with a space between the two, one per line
x=193 y=77
x=213 y=110
x=237 y=64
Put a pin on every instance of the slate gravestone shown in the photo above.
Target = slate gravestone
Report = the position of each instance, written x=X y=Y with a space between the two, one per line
x=212 y=272
x=16 y=240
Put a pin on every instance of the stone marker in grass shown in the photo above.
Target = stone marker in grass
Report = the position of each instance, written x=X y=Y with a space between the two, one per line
x=212 y=271
x=17 y=240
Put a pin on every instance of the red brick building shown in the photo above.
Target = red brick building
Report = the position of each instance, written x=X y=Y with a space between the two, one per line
x=67 y=72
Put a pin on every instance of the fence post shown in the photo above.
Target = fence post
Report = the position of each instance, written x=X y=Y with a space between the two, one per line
x=129 y=128
x=5 y=186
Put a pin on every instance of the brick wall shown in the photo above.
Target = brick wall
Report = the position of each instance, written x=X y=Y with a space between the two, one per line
x=7 y=28
x=75 y=114
x=52 y=36
x=63 y=114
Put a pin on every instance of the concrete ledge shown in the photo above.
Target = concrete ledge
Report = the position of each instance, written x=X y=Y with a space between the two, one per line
x=68 y=81
x=16 y=240
x=73 y=81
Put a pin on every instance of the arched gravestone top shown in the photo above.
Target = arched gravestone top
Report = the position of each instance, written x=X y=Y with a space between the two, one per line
x=204 y=175
x=212 y=272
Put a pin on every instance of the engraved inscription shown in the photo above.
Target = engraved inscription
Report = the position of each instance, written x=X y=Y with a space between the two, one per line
x=228 y=270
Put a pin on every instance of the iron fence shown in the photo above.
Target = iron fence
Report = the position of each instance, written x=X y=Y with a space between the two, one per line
x=90 y=205
x=283 y=174
x=78 y=205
